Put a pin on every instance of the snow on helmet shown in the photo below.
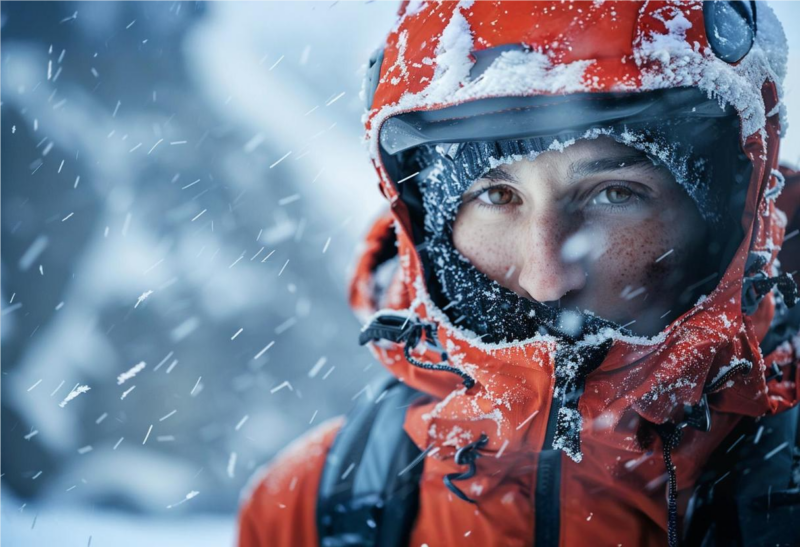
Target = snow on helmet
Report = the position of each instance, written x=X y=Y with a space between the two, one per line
x=458 y=66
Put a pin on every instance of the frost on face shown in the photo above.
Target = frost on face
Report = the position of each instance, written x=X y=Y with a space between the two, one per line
x=445 y=171
x=477 y=304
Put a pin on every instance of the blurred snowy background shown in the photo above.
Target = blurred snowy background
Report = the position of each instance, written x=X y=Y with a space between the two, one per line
x=183 y=185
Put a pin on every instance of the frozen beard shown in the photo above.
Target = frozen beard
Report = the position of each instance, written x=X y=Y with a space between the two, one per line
x=477 y=303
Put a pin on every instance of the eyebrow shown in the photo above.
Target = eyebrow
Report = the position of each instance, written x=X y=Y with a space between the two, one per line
x=586 y=168
x=583 y=168
x=497 y=173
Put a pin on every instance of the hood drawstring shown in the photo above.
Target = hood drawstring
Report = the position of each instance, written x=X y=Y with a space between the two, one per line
x=742 y=366
x=405 y=330
x=670 y=438
x=698 y=417
x=466 y=455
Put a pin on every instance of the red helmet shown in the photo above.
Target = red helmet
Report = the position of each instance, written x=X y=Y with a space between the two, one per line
x=456 y=71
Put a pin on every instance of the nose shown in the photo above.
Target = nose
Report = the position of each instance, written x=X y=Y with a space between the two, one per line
x=544 y=274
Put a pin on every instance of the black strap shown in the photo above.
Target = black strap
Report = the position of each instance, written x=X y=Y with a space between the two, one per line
x=369 y=491
x=749 y=493
x=785 y=325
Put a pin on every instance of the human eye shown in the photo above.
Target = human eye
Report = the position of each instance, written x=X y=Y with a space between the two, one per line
x=616 y=195
x=496 y=195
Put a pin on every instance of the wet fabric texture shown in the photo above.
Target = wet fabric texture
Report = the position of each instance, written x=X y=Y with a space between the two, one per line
x=701 y=155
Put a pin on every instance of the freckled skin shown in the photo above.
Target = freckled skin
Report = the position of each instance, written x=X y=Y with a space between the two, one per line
x=528 y=235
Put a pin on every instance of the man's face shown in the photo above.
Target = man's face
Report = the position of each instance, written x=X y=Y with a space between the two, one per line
x=596 y=227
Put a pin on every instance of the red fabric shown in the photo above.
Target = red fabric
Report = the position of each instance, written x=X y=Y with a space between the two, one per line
x=279 y=506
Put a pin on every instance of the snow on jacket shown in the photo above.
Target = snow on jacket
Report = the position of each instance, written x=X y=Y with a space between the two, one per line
x=612 y=492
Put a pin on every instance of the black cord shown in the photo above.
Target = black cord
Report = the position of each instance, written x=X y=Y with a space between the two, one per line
x=466 y=455
x=741 y=366
x=468 y=380
x=670 y=439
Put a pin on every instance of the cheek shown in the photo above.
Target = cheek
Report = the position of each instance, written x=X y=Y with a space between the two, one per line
x=487 y=245
x=631 y=254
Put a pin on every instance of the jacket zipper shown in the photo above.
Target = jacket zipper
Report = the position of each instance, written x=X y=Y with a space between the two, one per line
x=547 y=510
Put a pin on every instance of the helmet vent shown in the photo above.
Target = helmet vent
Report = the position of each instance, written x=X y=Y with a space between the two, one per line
x=730 y=28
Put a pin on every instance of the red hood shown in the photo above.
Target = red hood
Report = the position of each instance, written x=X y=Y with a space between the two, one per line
x=640 y=377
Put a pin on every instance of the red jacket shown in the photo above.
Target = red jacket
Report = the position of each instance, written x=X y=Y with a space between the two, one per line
x=616 y=493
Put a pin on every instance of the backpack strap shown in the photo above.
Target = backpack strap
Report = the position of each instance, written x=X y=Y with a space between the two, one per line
x=749 y=494
x=369 y=491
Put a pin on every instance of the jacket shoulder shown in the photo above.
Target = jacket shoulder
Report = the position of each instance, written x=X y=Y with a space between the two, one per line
x=278 y=506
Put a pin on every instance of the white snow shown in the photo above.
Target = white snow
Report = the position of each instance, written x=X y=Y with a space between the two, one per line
x=574 y=420
x=677 y=63
x=77 y=390
x=775 y=190
x=684 y=64
x=452 y=57
x=400 y=62
x=72 y=524
x=133 y=371
x=519 y=72
x=725 y=369
x=512 y=73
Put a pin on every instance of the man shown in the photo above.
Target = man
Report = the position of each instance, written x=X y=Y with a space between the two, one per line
x=587 y=316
